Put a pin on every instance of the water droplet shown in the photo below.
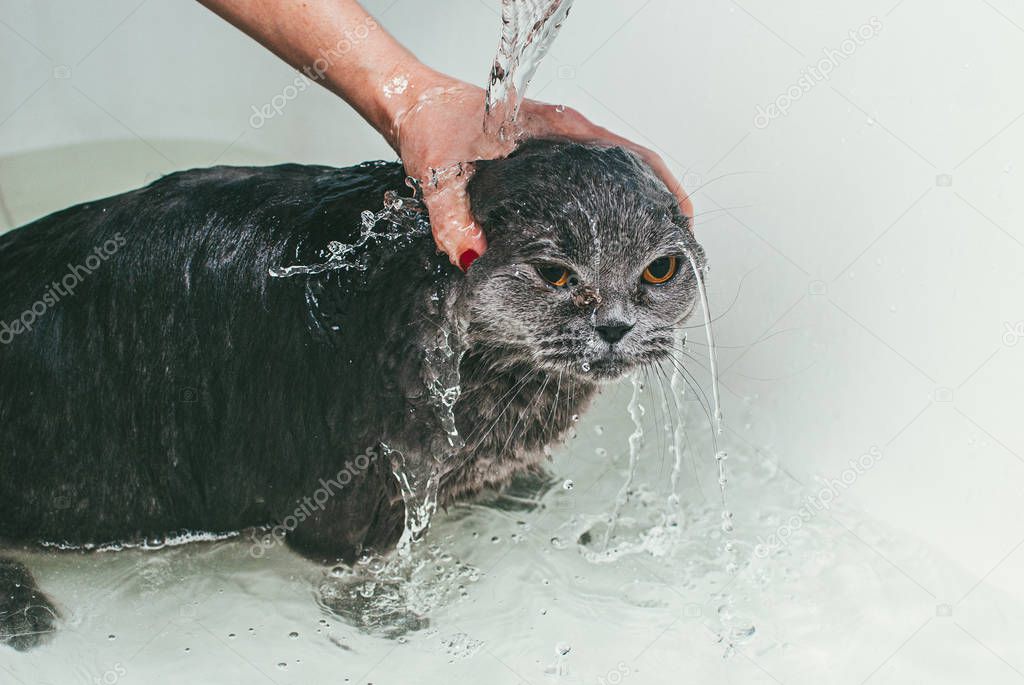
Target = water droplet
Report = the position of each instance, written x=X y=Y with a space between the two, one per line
x=293 y=635
x=568 y=485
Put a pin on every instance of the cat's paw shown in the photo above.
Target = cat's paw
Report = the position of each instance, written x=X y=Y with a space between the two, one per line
x=27 y=616
x=525 y=493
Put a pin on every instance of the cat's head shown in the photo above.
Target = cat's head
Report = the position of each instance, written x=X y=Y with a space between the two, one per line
x=588 y=268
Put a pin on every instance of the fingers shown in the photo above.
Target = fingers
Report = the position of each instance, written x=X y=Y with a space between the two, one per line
x=455 y=231
x=569 y=123
x=656 y=163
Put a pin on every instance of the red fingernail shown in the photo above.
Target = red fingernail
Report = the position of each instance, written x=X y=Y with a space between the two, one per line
x=467 y=258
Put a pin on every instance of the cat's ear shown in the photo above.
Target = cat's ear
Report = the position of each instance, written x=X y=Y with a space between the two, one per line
x=520 y=174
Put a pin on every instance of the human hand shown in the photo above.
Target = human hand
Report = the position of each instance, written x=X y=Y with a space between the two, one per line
x=440 y=135
x=433 y=122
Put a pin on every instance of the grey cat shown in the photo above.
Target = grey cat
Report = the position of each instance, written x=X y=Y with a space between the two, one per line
x=182 y=387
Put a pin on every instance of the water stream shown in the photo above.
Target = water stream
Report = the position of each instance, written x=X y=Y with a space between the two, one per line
x=528 y=28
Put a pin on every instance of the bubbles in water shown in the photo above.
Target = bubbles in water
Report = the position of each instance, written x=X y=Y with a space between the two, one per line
x=727 y=522
x=461 y=646
x=560 y=667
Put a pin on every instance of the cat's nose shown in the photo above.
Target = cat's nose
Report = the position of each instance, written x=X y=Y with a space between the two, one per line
x=613 y=331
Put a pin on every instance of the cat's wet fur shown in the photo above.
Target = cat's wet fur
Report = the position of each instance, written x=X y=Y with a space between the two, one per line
x=183 y=388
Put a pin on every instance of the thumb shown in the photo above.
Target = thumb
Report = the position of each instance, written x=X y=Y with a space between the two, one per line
x=451 y=220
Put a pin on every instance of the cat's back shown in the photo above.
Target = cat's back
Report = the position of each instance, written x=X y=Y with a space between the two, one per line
x=207 y=211
x=155 y=375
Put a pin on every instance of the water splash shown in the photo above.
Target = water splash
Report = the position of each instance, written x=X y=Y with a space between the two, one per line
x=394 y=596
x=441 y=363
x=528 y=27
x=419 y=488
x=400 y=219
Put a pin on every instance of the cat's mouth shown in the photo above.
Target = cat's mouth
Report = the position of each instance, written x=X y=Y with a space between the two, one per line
x=613 y=365
x=609 y=368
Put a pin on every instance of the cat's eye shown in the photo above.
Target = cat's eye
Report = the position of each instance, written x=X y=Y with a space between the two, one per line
x=660 y=270
x=557 y=276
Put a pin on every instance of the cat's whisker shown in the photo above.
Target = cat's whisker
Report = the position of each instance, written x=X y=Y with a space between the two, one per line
x=743 y=347
x=516 y=389
x=691 y=358
x=702 y=398
x=523 y=413
x=672 y=412
x=719 y=210
x=686 y=437
x=554 y=406
x=735 y=298
x=704 y=185
x=658 y=409
x=470 y=450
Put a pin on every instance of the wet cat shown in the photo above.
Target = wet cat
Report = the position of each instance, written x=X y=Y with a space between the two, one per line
x=170 y=363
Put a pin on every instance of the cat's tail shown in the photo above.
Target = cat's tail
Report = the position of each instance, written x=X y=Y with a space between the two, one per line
x=27 y=616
